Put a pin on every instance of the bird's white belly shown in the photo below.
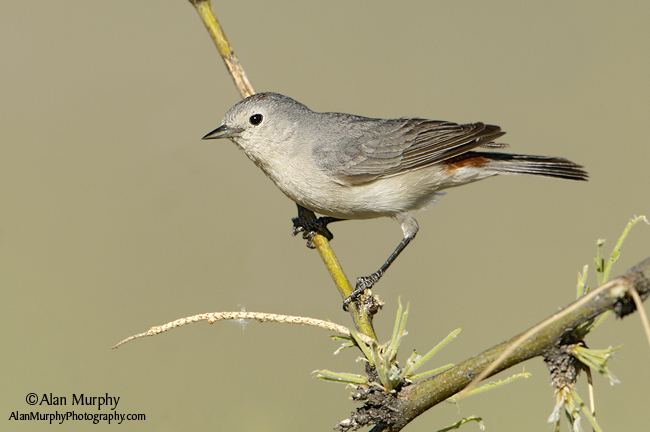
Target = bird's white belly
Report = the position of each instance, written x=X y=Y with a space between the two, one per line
x=318 y=191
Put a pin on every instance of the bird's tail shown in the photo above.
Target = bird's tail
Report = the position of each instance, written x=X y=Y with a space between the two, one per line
x=505 y=163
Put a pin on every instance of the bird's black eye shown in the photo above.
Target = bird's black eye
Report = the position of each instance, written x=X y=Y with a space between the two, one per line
x=255 y=119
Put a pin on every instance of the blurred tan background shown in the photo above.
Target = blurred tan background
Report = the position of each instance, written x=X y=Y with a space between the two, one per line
x=116 y=216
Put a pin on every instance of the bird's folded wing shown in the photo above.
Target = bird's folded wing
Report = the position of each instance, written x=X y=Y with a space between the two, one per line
x=379 y=149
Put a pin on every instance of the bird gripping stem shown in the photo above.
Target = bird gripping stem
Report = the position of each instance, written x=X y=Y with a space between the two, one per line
x=362 y=319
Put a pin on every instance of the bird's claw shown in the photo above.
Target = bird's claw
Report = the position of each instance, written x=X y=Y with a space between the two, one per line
x=309 y=227
x=363 y=284
x=297 y=227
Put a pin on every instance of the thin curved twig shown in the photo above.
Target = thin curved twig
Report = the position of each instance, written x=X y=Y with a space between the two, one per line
x=212 y=317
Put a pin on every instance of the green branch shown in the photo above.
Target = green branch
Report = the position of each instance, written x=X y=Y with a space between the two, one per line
x=362 y=318
x=415 y=399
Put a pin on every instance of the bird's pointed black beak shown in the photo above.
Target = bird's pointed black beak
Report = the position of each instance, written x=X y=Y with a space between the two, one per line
x=223 y=131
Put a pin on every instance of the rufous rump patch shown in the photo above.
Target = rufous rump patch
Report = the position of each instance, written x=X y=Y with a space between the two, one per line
x=465 y=162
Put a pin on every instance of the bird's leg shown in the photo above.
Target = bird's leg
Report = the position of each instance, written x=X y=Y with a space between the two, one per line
x=366 y=282
x=410 y=229
x=307 y=223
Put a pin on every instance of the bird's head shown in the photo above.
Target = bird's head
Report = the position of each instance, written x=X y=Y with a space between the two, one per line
x=263 y=120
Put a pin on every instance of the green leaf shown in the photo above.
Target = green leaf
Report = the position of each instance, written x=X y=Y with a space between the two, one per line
x=343 y=346
x=383 y=371
x=421 y=361
x=586 y=412
x=399 y=331
x=461 y=422
x=492 y=385
x=430 y=373
x=581 y=286
x=600 y=262
x=365 y=349
x=341 y=377
x=596 y=359
x=616 y=252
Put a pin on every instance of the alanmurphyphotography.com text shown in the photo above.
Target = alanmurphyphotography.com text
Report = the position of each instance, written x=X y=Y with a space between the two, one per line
x=86 y=407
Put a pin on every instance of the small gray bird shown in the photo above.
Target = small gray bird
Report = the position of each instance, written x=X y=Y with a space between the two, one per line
x=346 y=166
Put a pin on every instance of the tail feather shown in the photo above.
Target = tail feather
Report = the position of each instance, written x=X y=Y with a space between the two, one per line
x=536 y=165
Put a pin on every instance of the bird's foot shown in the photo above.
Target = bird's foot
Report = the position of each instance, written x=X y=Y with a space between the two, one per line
x=309 y=226
x=363 y=284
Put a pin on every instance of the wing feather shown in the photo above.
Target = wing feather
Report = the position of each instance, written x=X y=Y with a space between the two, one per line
x=379 y=148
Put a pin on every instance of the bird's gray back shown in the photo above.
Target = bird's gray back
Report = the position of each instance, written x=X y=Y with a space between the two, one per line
x=360 y=149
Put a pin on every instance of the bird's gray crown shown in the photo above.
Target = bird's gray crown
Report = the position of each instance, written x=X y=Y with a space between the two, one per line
x=264 y=103
x=263 y=117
